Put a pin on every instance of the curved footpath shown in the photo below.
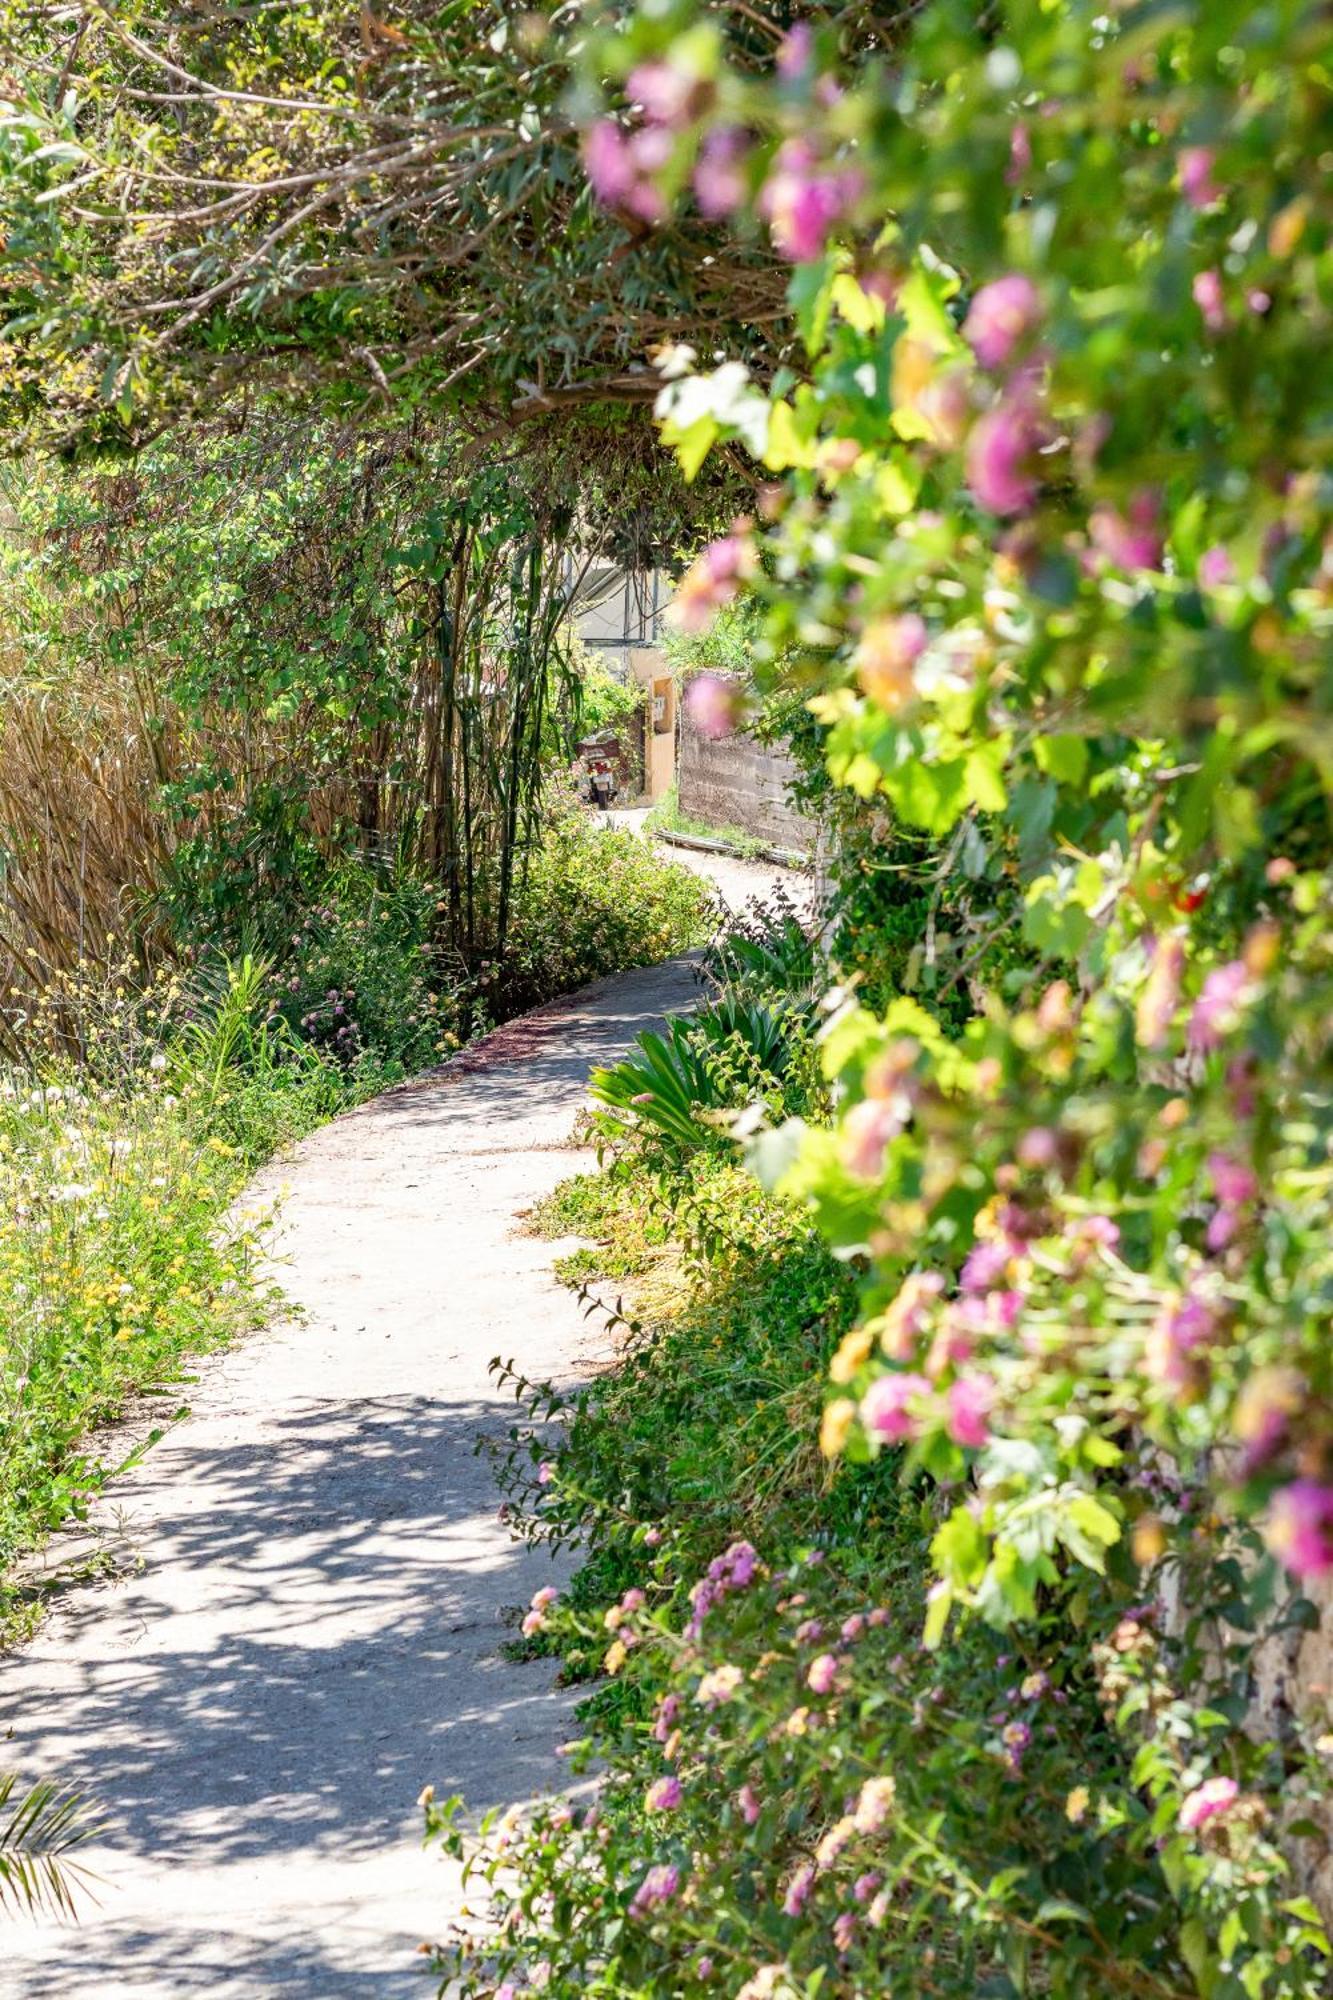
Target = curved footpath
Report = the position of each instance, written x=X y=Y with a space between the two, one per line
x=315 y=1631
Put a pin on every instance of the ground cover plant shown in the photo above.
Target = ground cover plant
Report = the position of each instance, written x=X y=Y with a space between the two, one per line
x=1045 y=556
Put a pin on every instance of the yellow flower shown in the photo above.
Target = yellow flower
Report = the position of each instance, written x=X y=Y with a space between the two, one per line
x=852 y=1354
x=1076 y=1805
x=1148 y=1540
x=615 y=1657
x=839 y=1416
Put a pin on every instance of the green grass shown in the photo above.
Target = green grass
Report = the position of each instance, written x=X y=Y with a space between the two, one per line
x=710 y=1418
x=121 y=1258
x=667 y=817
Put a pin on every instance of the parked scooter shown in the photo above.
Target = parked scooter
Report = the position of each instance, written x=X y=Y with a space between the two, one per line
x=601 y=782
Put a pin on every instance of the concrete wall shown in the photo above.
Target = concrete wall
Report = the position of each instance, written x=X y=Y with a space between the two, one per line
x=736 y=781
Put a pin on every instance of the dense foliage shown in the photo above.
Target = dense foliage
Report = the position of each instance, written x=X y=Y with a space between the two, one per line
x=386 y=210
x=1046 y=554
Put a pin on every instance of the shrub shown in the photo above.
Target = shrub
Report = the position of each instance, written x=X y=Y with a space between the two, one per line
x=592 y=900
x=1048 y=565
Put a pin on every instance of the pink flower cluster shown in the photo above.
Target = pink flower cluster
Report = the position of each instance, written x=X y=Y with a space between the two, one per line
x=1001 y=317
x=659 y=1885
x=712 y=580
x=535 y=1618
x=714 y=705
x=804 y=198
x=623 y=167
x=734 y=1570
x=1299 y=1530
x=1183 y=1329
x=1210 y=1800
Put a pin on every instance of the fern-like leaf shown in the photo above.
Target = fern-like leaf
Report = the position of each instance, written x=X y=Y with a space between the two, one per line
x=38 y=1828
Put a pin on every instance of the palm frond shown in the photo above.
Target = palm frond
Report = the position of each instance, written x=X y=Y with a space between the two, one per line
x=37 y=1830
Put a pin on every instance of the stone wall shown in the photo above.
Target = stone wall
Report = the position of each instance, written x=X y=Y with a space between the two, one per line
x=737 y=781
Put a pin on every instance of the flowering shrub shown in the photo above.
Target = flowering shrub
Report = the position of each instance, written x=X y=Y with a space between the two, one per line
x=121 y=1253
x=1048 y=554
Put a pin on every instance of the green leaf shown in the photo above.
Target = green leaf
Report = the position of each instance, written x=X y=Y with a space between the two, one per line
x=1059 y=1909
x=959 y=1548
x=1064 y=758
x=939 y=1603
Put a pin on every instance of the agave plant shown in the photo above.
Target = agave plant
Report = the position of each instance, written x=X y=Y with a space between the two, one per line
x=38 y=1828
x=767 y=950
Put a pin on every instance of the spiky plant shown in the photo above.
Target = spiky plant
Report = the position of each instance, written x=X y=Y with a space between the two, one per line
x=38 y=1828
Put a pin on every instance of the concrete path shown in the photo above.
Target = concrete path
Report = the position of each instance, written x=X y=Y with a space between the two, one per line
x=735 y=881
x=315 y=1632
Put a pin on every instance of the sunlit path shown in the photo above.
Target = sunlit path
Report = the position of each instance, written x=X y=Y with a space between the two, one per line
x=315 y=1631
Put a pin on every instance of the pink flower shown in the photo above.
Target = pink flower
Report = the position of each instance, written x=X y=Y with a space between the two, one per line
x=868 y=1129
x=544 y=1598
x=1001 y=315
x=667 y=1711
x=1195 y=164
x=1208 y=297
x=606 y=158
x=711 y=581
x=653 y=1538
x=1000 y=451
x=1212 y=1798
x=970 y=1399
x=985 y=1265
x=889 y=649
x=1216 y=1012
x=1233 y=1181
x=822 y=1675
x=885 y=1408
x=1216 y=567
x=532 y=1622
x=874 y=1804
x=664 y=1796
x=853 y=1627
x=803 y=200
x=1300 y=1528
x=1038 y=1147
x=797 y=1893
x=621 y=167
x=719 y=178
x=1261 y=1419
x=864 y=1887
x=658 y=1886
x=1020 y=156
x=1132 y=540
x=747 y=1798
x=1182 y=1328
x=704 y=1969
x=1258 y=301
x=546 y=1472
x=844 y=1930
x=667 y=94
x=795 y=52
